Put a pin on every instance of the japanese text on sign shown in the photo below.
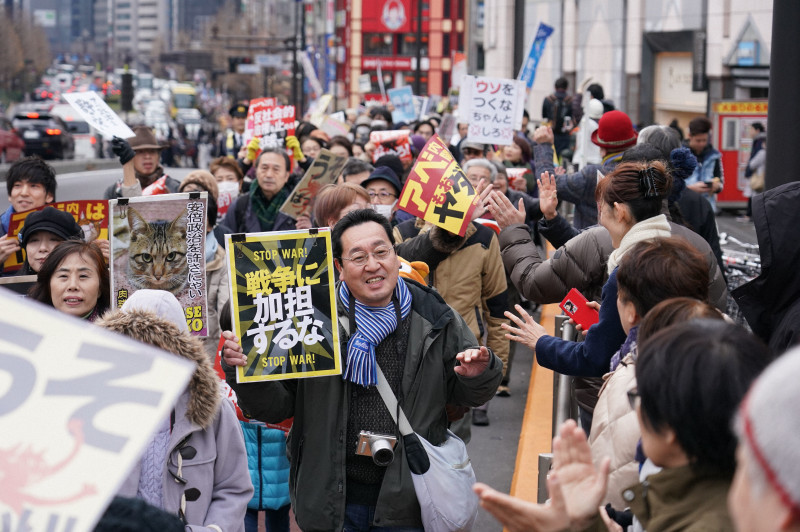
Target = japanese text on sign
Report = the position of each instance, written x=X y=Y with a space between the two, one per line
x=326 y=169
x=493 y=107
x=437 y=189
x=195 y=235
x=395 y=142
x=98 y=114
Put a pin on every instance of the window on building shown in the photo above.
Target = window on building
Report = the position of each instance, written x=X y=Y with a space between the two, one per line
x=378 y=44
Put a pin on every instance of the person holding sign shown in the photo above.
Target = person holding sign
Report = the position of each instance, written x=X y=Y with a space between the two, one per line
x=142 y=175
x=429 y=358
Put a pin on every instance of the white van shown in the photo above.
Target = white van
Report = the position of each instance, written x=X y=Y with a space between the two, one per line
x=86 y=143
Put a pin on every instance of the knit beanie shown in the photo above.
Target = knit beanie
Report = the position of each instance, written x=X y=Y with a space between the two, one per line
x=683 y=163
x=770 y=429
x=204 y=180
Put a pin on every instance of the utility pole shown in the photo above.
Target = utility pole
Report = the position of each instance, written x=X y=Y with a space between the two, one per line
x=418 y=71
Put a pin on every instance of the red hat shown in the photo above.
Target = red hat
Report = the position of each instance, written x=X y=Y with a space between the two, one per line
x=614 y=132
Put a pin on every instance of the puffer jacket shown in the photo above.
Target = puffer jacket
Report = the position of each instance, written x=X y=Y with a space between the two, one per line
x=580 y=262
x=317 y=447
x=471 y=279
x=218 y=293
x=205 y=444
x=268 y=466
x=615 y=431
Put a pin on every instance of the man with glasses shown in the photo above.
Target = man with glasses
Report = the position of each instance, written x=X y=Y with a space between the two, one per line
x=429 y=358
x=383 y=187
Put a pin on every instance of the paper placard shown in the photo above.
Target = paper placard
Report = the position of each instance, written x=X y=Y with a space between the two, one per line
x=98 y=114
x=492 y=107
x=325 y=169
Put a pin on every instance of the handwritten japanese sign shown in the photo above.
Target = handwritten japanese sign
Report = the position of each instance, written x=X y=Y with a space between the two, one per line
x=91 y=215
x=158 y=242
x=492 y=107
x=325 y=169
x=403 y=100
x=283 y=304
x=98 y=397
x=437 y=189
x=98 y=114
x=397 y=142
x=269 y=122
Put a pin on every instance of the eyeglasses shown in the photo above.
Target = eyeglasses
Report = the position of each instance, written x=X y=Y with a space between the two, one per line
x=633 y=398
x=360 y=258
x=381 y=195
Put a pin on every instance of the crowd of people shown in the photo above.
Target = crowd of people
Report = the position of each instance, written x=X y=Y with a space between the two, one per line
x=683 y=419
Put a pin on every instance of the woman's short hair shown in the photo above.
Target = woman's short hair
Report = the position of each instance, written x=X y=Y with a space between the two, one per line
x=642 y=186
x=691 y=377
x=655 y=270
x=87 y=250
x=332 y=198
x=675 y=310
x=229 y=164
x=344 y=142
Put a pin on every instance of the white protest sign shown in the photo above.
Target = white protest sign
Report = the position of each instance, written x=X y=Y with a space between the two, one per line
x=78 y=406
x=492 y=107
x=99 y=115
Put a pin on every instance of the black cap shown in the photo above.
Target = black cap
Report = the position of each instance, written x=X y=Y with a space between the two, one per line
x=238 y=111
x=385 y=173
x=60 y=223
x=392 y=161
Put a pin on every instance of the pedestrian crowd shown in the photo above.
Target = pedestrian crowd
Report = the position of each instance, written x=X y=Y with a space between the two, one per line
x=684 y=416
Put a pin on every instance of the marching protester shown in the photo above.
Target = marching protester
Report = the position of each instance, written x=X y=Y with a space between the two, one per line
x=195 y=466
x=74 y=279
x=42 y=232
x=334 y=201
x=429 y=358
x=31 y=183
x=142 y=175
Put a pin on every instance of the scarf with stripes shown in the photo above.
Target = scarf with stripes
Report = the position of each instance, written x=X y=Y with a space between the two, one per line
x=373 y=325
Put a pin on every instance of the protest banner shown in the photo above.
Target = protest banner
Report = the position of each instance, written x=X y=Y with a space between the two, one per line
x=448 y=126
x=78 y=406
x=91 y=215
x=437 y=189
x=517 y=178
x=324 y=170
x=98 y=114
x=269 y=122
x=283 y=304
x=397 y=142
x=420 y=106
x=402 y=99
x=334 y=126
x=319 y=108
x=527 y=72
x=493 y=107
x=159 y=242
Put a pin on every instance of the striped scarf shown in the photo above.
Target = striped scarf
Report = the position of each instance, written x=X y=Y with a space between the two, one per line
x=373 y=325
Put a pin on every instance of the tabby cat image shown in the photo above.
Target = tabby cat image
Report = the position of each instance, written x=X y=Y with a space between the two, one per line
x=157 y=253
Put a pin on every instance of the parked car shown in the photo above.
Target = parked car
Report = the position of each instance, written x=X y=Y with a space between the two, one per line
x=86 y=137
x=45 y=135
x=11 y=143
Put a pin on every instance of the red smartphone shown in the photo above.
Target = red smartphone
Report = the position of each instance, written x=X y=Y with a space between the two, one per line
x=575 y=306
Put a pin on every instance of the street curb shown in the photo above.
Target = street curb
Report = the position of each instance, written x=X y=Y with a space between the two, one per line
x=68 y=167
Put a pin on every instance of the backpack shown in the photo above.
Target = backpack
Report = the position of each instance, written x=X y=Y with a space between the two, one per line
x=561 y=110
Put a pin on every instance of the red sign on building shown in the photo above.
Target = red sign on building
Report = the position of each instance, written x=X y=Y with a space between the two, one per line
x=371 y=62
x=387 y=16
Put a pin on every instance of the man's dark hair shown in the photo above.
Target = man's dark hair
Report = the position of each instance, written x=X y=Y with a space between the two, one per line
x=392 y=161
x=691 y=377
x=33 y=170
x=279 y=151
x=381 y=113
x=758 y=126
x=526 y=114
x=424 y=123
x=596 y=90
x=659 y=269
x=699 y=126
x=212 y=211
x=644 y=153
x=562 y=84
x=356 y=166
x=352 y=219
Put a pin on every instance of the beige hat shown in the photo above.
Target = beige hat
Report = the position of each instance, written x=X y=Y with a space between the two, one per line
x=204 y=180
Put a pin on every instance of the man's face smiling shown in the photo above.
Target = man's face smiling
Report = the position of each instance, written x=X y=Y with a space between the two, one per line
x=26 y=196
x=373 y=283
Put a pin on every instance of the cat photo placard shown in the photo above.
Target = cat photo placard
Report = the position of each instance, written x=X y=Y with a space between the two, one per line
x=283 y=304
x=158 y=242
x=91 y=215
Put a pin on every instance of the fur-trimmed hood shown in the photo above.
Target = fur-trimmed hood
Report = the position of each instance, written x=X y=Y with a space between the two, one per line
x=145 y=326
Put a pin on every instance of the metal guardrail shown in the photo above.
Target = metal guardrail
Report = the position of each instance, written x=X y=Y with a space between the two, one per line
x=72 y=166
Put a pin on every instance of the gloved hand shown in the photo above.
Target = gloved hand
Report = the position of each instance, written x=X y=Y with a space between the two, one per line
x=122 y=149
x=252 y=149
x=293 y=144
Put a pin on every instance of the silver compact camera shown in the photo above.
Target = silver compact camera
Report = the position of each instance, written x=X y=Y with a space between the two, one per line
x=379 y=446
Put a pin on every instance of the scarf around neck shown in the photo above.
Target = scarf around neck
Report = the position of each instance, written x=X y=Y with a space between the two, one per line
x=373 y=325
x=148 y=179
x=655 y=227
x=266 y=210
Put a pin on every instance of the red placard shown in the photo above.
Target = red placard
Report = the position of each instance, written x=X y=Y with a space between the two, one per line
x=387 y=16
x=397 y=142
x=437 y=189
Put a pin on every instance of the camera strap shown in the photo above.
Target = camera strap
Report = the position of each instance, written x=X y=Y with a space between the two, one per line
x=390 y=400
